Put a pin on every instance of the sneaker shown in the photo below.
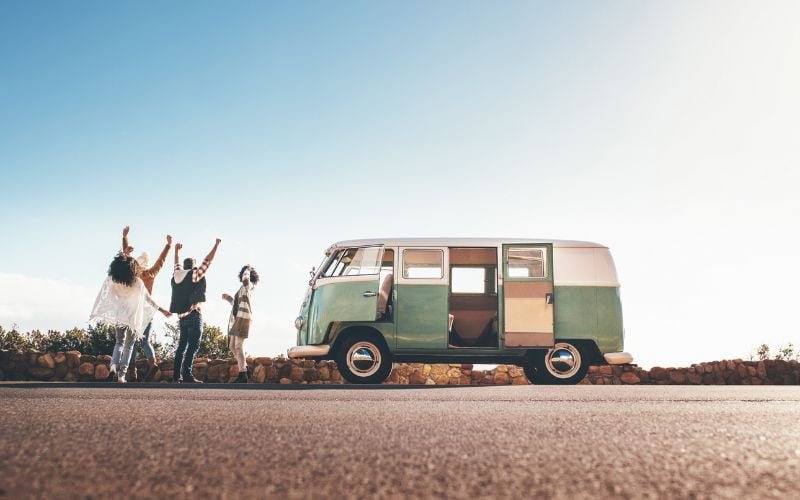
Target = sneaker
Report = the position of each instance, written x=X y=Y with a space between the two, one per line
x=241 y=379
x=190 y=380
x=121 y=379
x=112 y=376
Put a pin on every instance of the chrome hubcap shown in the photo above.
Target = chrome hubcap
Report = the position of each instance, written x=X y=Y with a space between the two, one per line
x=363 y=358
x=563 y=360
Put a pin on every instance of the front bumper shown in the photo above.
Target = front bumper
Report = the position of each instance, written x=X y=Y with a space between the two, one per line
x=617 y=358
x=309 y=351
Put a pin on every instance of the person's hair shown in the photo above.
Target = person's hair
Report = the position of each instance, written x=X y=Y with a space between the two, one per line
x=124 y=270
x=253 y=274
x=188 y=263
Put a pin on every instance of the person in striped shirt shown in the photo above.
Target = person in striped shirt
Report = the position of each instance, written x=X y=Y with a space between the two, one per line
x=188 y=295
x=241 y=318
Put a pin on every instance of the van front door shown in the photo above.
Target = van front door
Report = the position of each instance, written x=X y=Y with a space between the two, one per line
x=528 y=295
x=346 y=290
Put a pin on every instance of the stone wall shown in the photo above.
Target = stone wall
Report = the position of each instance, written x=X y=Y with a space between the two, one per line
x=73 y=366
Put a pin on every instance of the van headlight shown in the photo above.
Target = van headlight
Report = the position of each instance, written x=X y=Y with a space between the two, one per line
x=298 y=323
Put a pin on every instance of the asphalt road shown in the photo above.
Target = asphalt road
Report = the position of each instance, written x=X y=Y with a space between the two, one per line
x=520 y=441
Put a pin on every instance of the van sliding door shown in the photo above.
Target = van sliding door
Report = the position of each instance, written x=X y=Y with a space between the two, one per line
x=528 y=295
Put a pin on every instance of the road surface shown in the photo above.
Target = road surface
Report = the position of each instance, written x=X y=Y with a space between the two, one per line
x=520 y=441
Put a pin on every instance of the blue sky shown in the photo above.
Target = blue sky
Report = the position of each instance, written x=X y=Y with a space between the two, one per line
x=667 y=131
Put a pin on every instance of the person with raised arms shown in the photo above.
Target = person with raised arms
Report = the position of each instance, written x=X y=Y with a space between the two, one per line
x=188 y=295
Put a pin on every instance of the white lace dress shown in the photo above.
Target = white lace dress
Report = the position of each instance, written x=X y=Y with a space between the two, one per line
x=121 y=305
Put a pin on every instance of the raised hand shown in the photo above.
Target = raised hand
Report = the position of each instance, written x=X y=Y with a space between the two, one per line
x=178 y=246
x=169 y=239
x=125 y=230
x=218 y=241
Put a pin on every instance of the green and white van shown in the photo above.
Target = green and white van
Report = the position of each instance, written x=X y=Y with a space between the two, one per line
x=552 y=307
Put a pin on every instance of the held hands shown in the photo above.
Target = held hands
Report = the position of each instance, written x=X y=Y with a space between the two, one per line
x=164 y=312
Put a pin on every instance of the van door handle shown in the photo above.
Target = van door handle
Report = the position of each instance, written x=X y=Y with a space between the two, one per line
x=369 y=294
x=548 y=298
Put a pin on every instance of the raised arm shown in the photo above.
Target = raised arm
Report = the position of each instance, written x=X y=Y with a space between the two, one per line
x=201 y=271
x=178 y=247
x=126 y=248
x=161 y=258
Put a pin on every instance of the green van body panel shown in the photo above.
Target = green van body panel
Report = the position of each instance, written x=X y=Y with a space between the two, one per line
x=589 y=312
x=420 y=312
x=340 y=302
x=385 y=328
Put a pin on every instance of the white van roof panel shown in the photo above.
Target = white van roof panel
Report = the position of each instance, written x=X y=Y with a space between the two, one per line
x=463 y=242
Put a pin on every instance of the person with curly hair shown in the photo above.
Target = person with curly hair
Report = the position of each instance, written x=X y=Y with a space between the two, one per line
x=125 y=303
x=241 y=318
x=148 y=275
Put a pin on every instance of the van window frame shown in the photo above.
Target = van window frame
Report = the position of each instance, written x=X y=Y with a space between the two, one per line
x=547 y=249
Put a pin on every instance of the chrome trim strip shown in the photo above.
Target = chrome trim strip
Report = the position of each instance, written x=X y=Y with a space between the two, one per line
x=308 y=351
x=617 y=358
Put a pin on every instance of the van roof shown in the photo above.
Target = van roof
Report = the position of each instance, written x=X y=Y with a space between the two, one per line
x=463 y=242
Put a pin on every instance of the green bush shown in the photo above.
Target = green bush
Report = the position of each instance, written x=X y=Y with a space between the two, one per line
x=14 y=340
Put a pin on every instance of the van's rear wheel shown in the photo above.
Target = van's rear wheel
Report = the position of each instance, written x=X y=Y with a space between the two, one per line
x=364 y=360
x=564 y=364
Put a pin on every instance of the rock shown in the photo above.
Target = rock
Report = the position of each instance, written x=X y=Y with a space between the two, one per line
x=42 y=373
x=464 y=380
x=751 y=370
x=296 y=373
x=46 y=361
x=263 y=361
x=519 y=380
x=60 y=358
x=70 y=377
x=260 y=373
x=501 y=369
x=336 y=376
x=515 y=372
x=440 y=379
x=285 y=381
x=477 y=374
x=61 y=370
x=454 y=372
x=309 y=374
x=605 y=370
x=501 y=378
x=629 y=378
x=676 y=377
x=437 y=370
x=272 y=374
x=658 y=373
x=100 y=372
x=404 y=370
x=325 y=373
x=308 y=363
x=233 y=371
x=742 y=371
x=417 y=378
x=708 y=368
x=694 y=378
x=86 y=369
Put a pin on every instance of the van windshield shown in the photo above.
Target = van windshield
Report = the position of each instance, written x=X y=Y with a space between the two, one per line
x=354 y=262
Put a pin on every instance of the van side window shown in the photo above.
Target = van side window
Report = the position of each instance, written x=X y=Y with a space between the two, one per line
x=526 y=263
x=423 y=264
x=473 y=280
x=355 y=262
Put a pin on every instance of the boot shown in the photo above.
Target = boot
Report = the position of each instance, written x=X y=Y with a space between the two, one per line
x=112 y=374
x=132 y=373
x=241 y=379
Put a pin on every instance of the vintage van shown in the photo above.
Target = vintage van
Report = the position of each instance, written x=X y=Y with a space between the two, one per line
x=552 y=307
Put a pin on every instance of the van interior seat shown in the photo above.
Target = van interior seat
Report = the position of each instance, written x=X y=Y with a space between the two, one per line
x=385 y=295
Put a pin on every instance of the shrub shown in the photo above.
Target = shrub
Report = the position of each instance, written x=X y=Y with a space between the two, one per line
x=14 y=340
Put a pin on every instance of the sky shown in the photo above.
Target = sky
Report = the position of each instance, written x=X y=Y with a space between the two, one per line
x=667 y=131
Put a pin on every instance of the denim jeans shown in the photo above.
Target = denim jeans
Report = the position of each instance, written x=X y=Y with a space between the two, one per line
x=146 y=346
x=191 y=329
x=125 y=340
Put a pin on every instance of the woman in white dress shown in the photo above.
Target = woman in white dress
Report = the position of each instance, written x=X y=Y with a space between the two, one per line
x=125 y=303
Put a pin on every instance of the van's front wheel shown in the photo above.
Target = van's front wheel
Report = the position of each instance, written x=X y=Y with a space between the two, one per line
x=564 y=364
x=364 y=360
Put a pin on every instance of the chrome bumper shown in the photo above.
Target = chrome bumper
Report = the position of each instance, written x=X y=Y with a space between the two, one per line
x=308 y=351
x=617 y=358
